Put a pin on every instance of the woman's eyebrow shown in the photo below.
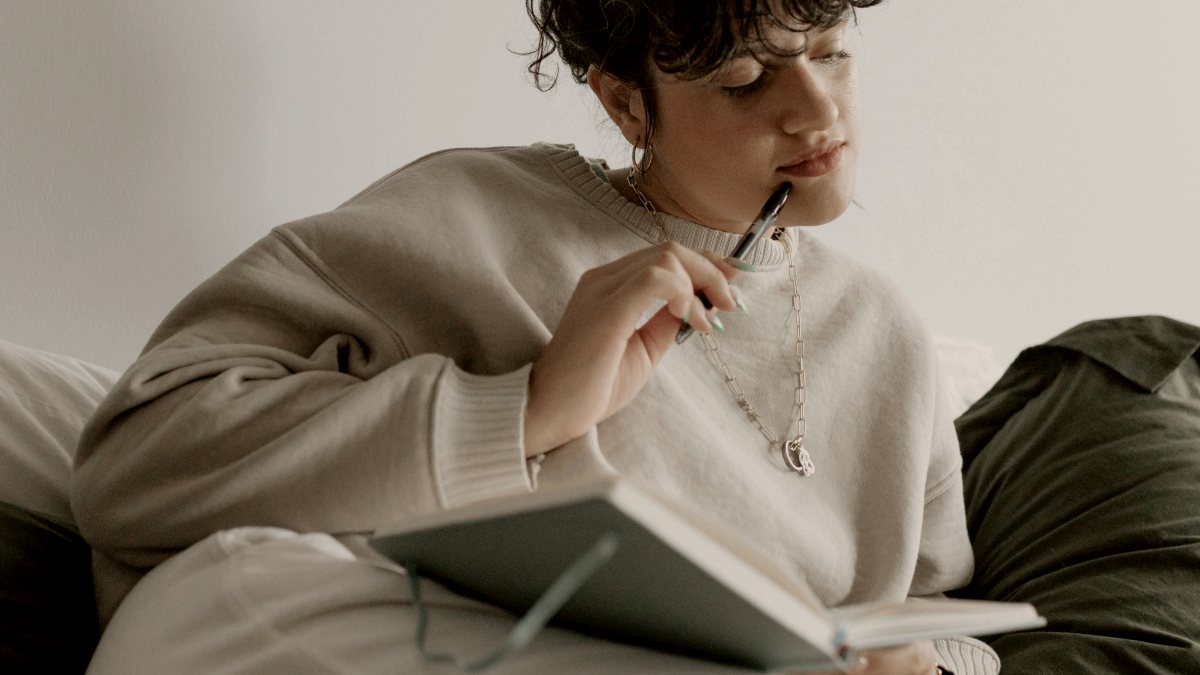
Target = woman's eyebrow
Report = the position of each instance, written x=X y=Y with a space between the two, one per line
x=765 y=55
x=760 y=50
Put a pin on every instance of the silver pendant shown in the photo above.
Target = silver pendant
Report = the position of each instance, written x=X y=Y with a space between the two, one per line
x=797 y=457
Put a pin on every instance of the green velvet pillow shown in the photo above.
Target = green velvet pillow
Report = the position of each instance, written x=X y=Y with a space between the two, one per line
x=47 y=608
x=1082 y=478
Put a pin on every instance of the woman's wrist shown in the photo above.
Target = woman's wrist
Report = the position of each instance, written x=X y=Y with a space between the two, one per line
x=538 y=435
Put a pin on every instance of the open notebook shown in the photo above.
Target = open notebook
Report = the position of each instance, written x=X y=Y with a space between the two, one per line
x=663 y=577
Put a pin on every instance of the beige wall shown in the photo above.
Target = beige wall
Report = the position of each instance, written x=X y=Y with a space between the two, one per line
x=1029 y=165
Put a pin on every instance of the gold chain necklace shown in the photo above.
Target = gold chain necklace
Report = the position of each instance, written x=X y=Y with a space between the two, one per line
x=795 y=455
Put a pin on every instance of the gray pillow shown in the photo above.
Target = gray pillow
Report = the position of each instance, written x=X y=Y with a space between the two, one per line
x=1082 y=477
x=47 y=606
x=45 y=399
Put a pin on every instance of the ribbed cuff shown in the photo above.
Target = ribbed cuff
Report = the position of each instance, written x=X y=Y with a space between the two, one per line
x=966 y=656
x=478 y=436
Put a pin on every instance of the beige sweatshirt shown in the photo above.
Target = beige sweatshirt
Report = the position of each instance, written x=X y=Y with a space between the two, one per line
x=373 y=361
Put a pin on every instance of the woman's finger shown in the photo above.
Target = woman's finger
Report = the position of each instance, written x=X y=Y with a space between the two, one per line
x=705 y=272
x=657 y=335
x=710 y=274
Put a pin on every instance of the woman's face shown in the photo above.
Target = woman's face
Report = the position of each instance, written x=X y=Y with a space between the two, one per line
x=723 y=143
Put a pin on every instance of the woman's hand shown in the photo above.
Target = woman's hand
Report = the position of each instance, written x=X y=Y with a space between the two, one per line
x=599 y=358
x=917 y=658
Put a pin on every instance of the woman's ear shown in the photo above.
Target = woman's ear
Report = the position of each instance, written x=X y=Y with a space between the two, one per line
x=623 y=103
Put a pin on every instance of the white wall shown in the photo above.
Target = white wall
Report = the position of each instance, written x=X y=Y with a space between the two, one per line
x=1032 y=165
x=1028 y=165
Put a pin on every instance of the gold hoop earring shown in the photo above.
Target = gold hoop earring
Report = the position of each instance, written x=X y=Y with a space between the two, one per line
x=642 y=164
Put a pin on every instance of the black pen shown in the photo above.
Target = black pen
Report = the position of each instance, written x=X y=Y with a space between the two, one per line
x=764 y=221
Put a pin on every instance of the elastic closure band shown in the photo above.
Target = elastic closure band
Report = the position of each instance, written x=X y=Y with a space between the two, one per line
x=533 y=621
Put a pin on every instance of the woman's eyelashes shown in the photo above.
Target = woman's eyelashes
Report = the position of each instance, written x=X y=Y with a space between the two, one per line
x=833 y=58
x=743 y=90
x=738 y=91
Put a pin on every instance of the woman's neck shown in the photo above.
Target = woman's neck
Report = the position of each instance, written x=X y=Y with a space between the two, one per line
x=660 y=197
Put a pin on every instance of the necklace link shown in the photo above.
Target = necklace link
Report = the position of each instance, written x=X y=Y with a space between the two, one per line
x=795 y=455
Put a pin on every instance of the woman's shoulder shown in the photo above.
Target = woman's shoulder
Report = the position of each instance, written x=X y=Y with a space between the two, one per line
x=497 y=169
x=440 y=201
x=471 y=215
x=856 y=293
x=851 y=275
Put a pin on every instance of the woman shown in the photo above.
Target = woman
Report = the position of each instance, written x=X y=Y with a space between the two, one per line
x=421 y=347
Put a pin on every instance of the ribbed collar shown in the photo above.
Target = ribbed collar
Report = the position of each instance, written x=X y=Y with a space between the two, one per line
x=580 y=174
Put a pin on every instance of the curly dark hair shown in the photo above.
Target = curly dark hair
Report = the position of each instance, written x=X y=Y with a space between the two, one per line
x=688 y=38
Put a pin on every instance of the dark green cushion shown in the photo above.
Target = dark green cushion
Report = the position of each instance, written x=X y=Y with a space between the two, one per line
x=47 y=607
x=1083 y=498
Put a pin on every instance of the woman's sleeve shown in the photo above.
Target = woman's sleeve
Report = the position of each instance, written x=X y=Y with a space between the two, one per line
x=945 y=561
x=270 y=396
x=966 y=656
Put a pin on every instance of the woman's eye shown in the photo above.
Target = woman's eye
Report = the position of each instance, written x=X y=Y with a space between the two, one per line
x=743 y=90
x=833 y=58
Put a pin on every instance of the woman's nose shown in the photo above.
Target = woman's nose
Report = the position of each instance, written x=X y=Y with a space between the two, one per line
x=808 y=101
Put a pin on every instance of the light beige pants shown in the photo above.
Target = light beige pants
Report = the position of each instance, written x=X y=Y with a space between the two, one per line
x=264 y=600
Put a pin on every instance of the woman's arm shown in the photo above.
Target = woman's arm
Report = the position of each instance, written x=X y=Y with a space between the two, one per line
x=270 y=397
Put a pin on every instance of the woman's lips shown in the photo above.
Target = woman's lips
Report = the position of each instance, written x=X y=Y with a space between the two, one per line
x=820 y=164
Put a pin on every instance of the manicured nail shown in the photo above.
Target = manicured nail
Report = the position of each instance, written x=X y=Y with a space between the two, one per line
x=716 y=323
x=739 y=300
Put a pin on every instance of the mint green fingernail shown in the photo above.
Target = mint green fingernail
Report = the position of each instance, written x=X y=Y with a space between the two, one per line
x=737 y=300
x=717 y=323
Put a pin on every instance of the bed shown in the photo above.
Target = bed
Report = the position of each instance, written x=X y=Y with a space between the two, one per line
x=1081 y=466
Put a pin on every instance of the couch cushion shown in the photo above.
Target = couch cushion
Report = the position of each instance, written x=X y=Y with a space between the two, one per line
x=47 y=607
x=967 y=368
x=45 y=399
x=1082 y=478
